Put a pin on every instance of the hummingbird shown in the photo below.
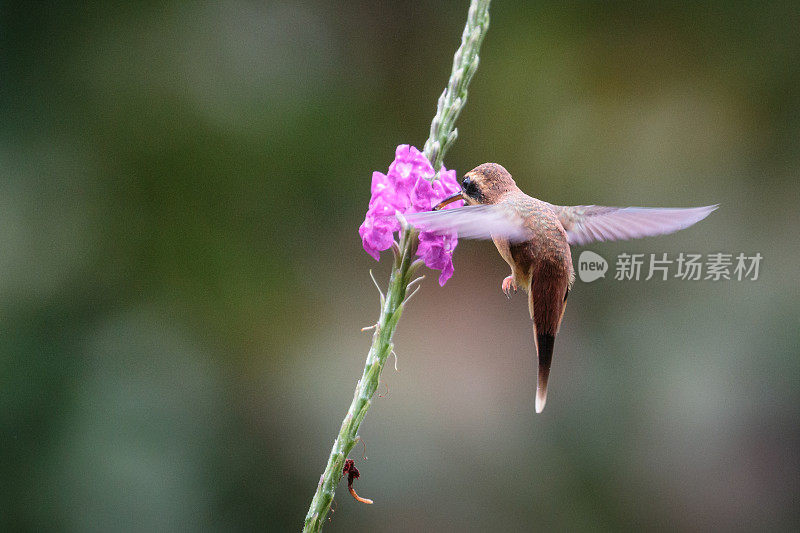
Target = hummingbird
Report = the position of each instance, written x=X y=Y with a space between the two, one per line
x=534 y=238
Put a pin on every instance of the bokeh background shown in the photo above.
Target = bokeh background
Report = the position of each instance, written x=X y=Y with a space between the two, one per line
x=182 y=284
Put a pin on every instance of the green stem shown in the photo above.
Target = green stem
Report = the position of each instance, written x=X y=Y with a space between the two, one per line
x=442 y=136
x=451 y=102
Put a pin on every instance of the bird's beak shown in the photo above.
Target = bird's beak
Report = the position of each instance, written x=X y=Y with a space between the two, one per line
x=456 y=197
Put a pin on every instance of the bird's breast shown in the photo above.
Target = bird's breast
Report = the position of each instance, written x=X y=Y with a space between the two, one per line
x=547 y=252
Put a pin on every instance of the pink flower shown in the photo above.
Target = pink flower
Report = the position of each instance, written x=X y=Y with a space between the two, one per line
x=377 y=231
x=407 y=189
x=423 y=196
x=448 y=185
x=436 y=252
x=408 y=165
x=383 y=188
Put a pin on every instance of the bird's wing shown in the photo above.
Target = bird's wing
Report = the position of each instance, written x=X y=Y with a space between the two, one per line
x=473 y=222
x=588 y=223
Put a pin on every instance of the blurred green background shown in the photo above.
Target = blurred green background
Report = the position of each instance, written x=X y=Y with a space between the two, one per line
x=182 y=282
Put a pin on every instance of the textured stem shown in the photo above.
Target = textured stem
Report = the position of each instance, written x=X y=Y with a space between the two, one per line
x=442 y=136
x=451 y=102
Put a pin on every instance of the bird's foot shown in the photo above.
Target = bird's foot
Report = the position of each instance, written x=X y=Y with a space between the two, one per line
x=509 y=285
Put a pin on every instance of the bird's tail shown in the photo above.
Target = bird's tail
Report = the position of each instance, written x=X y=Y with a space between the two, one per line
x=544 y=343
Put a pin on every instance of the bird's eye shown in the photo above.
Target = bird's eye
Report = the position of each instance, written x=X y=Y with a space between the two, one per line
x=468 y=186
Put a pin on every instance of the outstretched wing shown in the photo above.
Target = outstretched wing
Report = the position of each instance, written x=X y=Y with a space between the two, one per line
x=473 y=222
x=588 y=223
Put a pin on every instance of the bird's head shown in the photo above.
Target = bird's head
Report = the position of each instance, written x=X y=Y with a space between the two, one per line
x=484 y=184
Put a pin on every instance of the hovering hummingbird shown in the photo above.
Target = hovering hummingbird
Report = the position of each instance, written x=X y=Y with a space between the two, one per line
x=534 y=238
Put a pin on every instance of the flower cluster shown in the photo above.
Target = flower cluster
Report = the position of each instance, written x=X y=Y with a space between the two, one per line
x=407 y=188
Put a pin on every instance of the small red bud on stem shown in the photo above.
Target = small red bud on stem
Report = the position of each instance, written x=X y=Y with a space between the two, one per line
x=353 y=473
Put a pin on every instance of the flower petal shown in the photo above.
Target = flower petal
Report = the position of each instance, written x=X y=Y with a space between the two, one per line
x=407 y=188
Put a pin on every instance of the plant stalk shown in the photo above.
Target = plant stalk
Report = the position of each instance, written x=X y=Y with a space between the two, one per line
x=442 y=136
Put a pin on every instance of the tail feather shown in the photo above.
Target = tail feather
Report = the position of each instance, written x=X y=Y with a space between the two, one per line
x=544 y=342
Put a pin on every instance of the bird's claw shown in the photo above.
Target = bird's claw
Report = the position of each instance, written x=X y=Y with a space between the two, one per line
x=509 y=286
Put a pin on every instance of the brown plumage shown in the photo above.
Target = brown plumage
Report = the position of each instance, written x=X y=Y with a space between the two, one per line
x=541 y=266
x=534 y=238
